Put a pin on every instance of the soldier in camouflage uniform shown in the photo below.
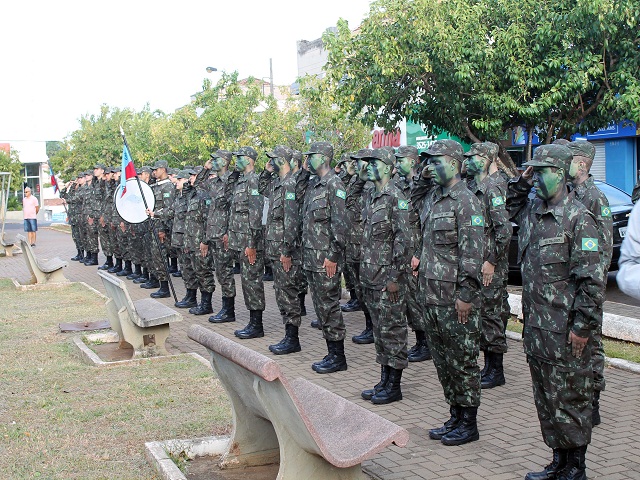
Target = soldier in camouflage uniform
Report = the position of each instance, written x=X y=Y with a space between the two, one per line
x=220 y=190
x=495 y=268
x=562 y=294
x=586 y=192
x=301 y=176
x=245 y=237
x=120 y=243
x=70 y=195
x=449 y=260
x=324 y=227
x=104 y=221
x=92 y=205
x=283 y=238
x=406 y=164
x=140 y=244
x=383 y=269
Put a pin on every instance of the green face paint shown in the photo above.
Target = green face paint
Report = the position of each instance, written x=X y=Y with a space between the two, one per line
x=362 y=169
x=548 y=181
x=404 y=166
x=574 y=168
x=217 y=164
x=241 y=163
x=314 y=161
x=475 y=164
x=375 y=170
x=442 y=169
x=276 y=163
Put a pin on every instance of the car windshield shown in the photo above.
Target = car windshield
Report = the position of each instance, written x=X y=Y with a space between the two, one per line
x=616 y=197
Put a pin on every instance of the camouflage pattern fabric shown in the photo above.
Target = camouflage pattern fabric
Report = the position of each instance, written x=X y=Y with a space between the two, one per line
x=455 y=350
x=325 y=294
x=198 y=204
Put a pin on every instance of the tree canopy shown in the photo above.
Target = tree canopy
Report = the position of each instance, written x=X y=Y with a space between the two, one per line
x=477 y=68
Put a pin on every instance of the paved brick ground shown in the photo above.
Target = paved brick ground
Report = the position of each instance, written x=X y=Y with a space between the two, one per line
x=510 y=443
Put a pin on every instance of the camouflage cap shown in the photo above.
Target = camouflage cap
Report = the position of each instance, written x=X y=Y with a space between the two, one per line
x=183 y=174
x=383 y=154
x=172 y=171
x=344 y=158
x=297 y=156
x=246 y=152
x=447 y=147
x=99 y=165
x=582 y=148
x=281 y=151
x=80 y=175
x=144 y=169
x=226 y=154
x=197 y=169
x=324 y=148
x=484 y=149
x=407 y=151
x=552 y=155
x=116 y=169
x=362 y=153
x=561 y=141
x=160 y=164
x=88 y=173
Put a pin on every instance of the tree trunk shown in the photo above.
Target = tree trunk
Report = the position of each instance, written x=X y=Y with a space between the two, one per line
x=505 y=162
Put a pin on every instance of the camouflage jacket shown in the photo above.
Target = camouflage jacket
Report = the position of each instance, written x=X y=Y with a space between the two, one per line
x=596 y=202
x=178 y=215
x=95 y=200
x=221 y=192
x=497 y=226
x=283 y=234
x=562 y=286
x=353 y=204
x=164 y=193
x=195 y=222
x=451 y=246
x=302 y=180
x=84 y=205
x=71 y=197
x=109 y=205
x=245 y=218
x=385 y=239
x=406 y=187
x=324 y=222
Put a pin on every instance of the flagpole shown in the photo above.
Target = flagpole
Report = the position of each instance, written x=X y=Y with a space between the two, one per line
x=53 y=177
x=156 y=239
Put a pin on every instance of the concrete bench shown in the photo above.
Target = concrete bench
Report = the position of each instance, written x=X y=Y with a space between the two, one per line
x=143 y=324
x=8 y=246
x=314 y=434
x=42 y=271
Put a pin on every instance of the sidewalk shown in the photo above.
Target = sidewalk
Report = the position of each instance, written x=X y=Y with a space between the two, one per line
x=510 y=443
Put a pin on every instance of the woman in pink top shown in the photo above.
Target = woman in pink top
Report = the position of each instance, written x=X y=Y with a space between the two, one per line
x=30 y=209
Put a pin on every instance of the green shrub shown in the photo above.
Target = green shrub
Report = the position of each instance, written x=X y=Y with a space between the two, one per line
x=13 y=204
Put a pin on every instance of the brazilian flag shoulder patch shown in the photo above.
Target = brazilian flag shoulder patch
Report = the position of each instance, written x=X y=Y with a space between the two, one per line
x=166 y=194
x=254 y=191
x=606 y=211
x=341 y=193
x=403 y=204
x=497 y=201
x=590 y=244
x=208 y=201
x=290 y=196
x=477 y=220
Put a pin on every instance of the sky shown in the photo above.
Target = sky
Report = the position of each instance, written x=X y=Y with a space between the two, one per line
x=64 y=59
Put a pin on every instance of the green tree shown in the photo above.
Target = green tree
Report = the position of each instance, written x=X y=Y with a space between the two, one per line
x=10 y=162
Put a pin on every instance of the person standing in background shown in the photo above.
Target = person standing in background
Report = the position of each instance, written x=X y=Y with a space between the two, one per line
x=30 y=209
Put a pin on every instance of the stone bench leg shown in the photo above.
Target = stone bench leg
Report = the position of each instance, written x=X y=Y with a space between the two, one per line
x=8 y=251
x=253 y=440
x=296 y=461
x=135 y=336
x=55 y=277
x=114 y=321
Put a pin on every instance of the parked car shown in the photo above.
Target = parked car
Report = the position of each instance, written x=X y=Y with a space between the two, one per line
x=621 y=205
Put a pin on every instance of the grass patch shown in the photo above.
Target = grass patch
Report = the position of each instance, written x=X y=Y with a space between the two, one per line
x=62 y=419
x=612 y=348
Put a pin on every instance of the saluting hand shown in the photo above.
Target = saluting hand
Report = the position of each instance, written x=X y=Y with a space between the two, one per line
x=527 y=175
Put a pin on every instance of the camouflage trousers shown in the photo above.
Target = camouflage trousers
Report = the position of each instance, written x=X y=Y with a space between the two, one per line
x=389 y=327
x=493 y=338
x=287 y=287
x=90 y=236
x=159 y=253
x=325 y=293
x=149 y=250
x=506 y=308
x=563 y=400
x=123 y=251
x=77 y=236
x=188 y=270
x=223 y=262
x=350 y=279
x=252 y=284
x=354 y=269
x=203 y=271
x=455 y=350
x=105 y=239
x=412 y=307
x=597 y=356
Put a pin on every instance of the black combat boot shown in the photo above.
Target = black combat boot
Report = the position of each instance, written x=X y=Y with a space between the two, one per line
x=303 y=308
x=495 y=372
x=595 y=412
x=177 y=274
x=227 y=313
x=330 y=349
x=485 y=368
x=466 y=431
x=126 y=270
x=367 y=334
x=335 y=362
x=116 y=267
x=137 y=272
x=236 y=268
x=449 y=425
x=205 y=307
x=144 y=276
x=164 y=291
x=391 y=391
x=289 y=344
x=189 y=300
x=550 y=472
x=353 y=305
x=79 y=256
x=93 y=260
x=152 y=283
x=268 y=274
x=576 y=468
x=86 y=258
x=384 y=377
x=108 y=264
x=420 y=351
x=254 y=327
x=316 y=324
x=173 y=265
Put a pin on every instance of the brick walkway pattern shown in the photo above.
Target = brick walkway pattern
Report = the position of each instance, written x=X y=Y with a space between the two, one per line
x=510 y=443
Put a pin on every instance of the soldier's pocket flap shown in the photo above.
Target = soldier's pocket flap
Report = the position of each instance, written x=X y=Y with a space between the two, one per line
x=551 y=320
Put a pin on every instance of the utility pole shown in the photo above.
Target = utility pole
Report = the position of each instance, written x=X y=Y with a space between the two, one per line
x=271 y=75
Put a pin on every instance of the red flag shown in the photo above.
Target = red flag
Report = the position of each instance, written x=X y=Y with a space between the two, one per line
x=54 y=182
x=128 y=169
